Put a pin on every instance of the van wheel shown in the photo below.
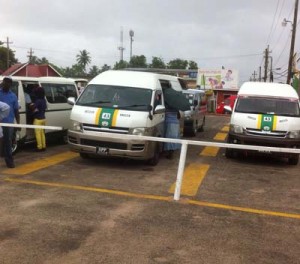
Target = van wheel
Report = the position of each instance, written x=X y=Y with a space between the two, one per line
x=155 y=159
x=229 y=153
x=201 y=129
x=294 y=160
x=84 y=155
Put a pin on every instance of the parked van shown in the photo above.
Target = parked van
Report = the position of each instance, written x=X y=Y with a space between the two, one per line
x=194 y=119
x=266 y=114
x=57 y=90
x=124 y=103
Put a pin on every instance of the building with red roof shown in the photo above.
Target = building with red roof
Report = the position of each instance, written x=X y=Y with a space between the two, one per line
x=31 y=70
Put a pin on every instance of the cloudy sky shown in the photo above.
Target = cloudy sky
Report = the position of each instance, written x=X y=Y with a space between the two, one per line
x=214 y=33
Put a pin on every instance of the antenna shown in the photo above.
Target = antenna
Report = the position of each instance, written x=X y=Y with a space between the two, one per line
x=121 y=48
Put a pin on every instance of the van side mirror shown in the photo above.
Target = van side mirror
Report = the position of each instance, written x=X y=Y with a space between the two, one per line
x=227 y=109
x=71 y=100
x=159 y=109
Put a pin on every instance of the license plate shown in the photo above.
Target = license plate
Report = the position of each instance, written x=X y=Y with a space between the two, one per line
x=102 y=151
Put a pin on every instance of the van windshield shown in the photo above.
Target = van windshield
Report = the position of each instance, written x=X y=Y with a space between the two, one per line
x=276 y=106
x=190 y=97
x=121 y=97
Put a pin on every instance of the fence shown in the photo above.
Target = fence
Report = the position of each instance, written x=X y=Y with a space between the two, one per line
x=184 y=143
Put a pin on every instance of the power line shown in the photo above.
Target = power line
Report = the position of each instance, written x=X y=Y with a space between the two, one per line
x=272 y=23
x=284 y=48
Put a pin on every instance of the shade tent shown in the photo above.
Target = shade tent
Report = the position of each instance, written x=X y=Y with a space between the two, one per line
x=176 y=100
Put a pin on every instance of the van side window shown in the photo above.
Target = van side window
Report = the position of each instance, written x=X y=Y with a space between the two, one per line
x=157 y=99
x=14 y=88
x=59 y=93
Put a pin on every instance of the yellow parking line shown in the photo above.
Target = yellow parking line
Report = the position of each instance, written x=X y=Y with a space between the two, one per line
x=157 y=197
x=225 y=128
x=210 y=151
x=41 y=164
x=220 y=136
x=92 y=189
x=244 y=209
x=192 y=179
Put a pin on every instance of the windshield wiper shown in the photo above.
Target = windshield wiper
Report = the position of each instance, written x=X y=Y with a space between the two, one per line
x=134 y=105
x=96 y=102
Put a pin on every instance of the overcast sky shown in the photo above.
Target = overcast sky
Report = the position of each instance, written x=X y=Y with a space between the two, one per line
x=214 y=33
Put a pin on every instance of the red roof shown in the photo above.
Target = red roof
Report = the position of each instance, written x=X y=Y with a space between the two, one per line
x=31 y=70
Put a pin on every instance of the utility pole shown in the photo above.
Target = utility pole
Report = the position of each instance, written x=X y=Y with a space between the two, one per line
x=266 y=63
x=7 y=51
x=259 y=74
x=254 y=76
x=271 y=69
x=121 y=48
x=294 y=25
x=30 y=55
x=131 y=34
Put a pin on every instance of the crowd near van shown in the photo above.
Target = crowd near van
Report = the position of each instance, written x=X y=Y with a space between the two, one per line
x=194 y=119
x=123 y=103
x=266 y=114
x=57 y=90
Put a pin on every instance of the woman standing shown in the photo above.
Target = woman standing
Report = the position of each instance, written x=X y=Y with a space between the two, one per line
x=39 y=118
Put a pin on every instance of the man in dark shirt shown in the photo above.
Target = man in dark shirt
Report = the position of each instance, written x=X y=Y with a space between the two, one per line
x=8 y=97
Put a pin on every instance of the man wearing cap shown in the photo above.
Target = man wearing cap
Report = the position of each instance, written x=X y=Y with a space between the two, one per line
x=8 y=97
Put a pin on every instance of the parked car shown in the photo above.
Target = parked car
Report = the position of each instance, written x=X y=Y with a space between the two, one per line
x=229 y=101
x=194 y=119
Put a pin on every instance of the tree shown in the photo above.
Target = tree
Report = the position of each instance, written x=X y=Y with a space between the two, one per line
x=178 y=64
x=38 y=61
x=157 y=63
x=94 y=71
x=120 y=65
x=193 y=65
x=3 y=58
x=104 y=68
x=83 y=59
x=138 y=62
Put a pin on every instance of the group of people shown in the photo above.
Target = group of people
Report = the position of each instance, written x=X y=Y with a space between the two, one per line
x=9 y=112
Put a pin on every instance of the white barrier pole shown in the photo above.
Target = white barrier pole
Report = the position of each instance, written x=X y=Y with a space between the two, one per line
x=180 y=170
x=30 y=126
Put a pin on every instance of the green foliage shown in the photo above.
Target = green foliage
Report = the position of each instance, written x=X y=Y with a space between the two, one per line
x=121 y=65
x=178 y=64
x=3 y=58
x=83 y=59
x=38 y=61
x=157 y=63
x=193 y=65
x=138 y=62
x=104 y=68
x=94 y=71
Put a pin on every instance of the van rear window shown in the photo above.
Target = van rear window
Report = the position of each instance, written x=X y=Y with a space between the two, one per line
x=276 y=106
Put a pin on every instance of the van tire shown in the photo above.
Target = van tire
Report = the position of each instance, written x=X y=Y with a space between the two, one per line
x=84 y=155
x=229 y=154
x=293 y=160
x=155 y=159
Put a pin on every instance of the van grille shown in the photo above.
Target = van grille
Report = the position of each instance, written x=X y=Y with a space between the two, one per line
x=103 y=144
x=96 y=128
x=259 y=132
x=138 y=147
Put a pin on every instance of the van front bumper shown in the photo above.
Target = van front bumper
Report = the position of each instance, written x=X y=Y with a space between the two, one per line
x=105 y=146
x=264 y=141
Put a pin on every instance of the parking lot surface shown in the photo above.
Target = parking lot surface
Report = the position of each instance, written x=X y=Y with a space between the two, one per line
x=59 y=208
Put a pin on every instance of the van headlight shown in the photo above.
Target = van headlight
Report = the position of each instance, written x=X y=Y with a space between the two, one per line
x=294 y=134
x=77 y=126
x=236 y=129
x=139 y=131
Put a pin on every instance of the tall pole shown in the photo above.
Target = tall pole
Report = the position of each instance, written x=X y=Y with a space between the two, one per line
x=131 y=34
x=271 y=69
x=7 y=53
x=288 y=81
x=266 y=63
x=121 y=48
x=259 y=74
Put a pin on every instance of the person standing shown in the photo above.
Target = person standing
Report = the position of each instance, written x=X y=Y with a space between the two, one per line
x=8 y=97
x=39 y=118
